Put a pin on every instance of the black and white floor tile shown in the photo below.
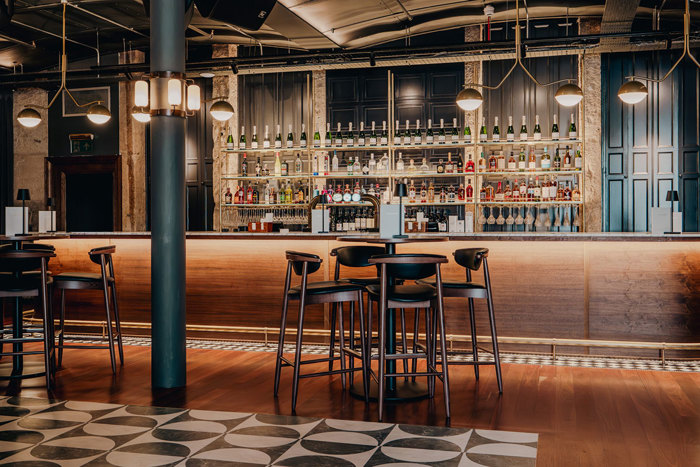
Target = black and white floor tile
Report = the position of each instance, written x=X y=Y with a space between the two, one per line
x=560 y=360
x=37 y=432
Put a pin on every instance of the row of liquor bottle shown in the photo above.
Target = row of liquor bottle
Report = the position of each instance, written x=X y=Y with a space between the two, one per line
x=528 y=190
x=522 y=163
x=402 y=136
x=266 y=194
x=429 y=219
x=354 y=219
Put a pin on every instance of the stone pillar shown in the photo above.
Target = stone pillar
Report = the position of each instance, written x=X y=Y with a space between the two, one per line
x=473 y=75
x=224 y=87
x=318 y=82
x=31 y=147
x=589 y=74
x=132 y=147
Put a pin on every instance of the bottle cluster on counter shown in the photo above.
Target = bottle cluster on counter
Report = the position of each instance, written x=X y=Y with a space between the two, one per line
x=353 y=219
x=406 y=135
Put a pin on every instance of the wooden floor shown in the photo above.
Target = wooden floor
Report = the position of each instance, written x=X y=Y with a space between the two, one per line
x=584 y=416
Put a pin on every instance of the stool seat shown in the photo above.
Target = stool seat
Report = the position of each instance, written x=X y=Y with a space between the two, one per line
x=405 y=293
x=10 y=283
x=453 y=284
x=81 y=277
x=318 y=288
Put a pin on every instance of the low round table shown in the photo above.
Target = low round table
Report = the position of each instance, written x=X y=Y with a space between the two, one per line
x=401 y=389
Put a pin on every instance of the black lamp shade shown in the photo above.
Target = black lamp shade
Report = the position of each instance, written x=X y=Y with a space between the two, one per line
x=23 y=194
x=672 y=195
x=401 y=190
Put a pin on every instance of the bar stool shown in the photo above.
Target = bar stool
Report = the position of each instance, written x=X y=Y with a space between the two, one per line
x=308 y=293
x=18 y=280
x=105 y=281
x=410 y=267
x=471 y=259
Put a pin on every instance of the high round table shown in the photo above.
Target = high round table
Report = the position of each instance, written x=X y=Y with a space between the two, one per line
x=396 y=390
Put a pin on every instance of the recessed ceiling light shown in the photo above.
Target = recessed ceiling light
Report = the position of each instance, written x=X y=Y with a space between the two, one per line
x=207 y=74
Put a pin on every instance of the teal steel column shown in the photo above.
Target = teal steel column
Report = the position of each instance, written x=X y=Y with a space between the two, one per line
x=168 y=363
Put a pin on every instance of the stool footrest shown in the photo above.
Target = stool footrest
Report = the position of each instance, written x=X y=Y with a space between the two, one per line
x=328 y=373
x=23 y=340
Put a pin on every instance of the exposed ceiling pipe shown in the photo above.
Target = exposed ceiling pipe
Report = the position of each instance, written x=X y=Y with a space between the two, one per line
x=18 y=41
x=409 y=17
x=49 y=33
x=110 y=21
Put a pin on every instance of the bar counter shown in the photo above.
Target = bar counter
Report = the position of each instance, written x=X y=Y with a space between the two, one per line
x=603 y=286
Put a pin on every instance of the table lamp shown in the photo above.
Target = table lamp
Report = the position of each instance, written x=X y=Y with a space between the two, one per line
x=401 y=190
x=672 y=196
x=23 y=195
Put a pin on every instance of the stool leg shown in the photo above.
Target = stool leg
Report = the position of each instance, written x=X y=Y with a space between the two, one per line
x=428 y=349
x=341 y=330
x=48 y=336
x=2 y=325
x=351 y=323
x=414 y=363
x=494 y=339
x=117 y=321
x=369 y=328
x=112 y=355
x=475 y=348
x=297 y=353
x=382 y=359
x=443 y=356
x=403 y=341
x=61 y=324
x=363 y=345
x=331 y=348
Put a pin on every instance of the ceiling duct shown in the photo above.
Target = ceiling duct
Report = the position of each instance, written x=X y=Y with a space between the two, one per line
x=7 y=9
x=246 y=14
x=189 y=10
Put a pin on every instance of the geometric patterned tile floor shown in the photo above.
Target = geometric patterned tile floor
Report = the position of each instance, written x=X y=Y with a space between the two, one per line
x=40 y=432
x=561 y=360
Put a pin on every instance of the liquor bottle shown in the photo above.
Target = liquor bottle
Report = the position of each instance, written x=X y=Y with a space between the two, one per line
x=461 y=192
x=239 y=196
x=496 y=137
x=567 y=193
x=266 y=140
x=298 y=164
x=482 y=193
x=229 y=140
x=350 y=136
x=523 y=130
x=499 y=192
x=418 y=135
x=412 y=193
x=440 y=167
x=566 y=162
x=423 y=193
x=228 y=196
x=314 y=165
x=356 y=168
x=338 y=137
x=361 y=135
x=254 y=142
x=467 y=133
x=328 y=140
x=510 y=132
x=530 y=190
x=537 y=135
x=249 y=195
x=555 y=129
x=508 y=193
x=290 y=138
x=278 y=165
x=546 y=161
x=326 y=164
x=493 y=163
x=384 y=161
x=512 y=164
x=429 y=137
x=576 y=193
x=545 y=190
x=483 y=135
x=242 y=141
x=351 y=165
x=302 y=138
x=489 y=192
x=278 y=138
x=455 y=132
x=431 y=193
x=449 y=167
x=470 y=165
x=424 y=167
x=265 y=170
x=443 y=196
x=384 y=137
x=407 y=134
x=572 y=128
x=556 y=163
x=532 y=160
x=244 y=165
x=537 y=190
x=451 y=194
x=523 y=190
x=335 y=166
x=365 y=169
x=459 y=167
x=441 y=133
x=522 y=160
x=578 y=159
x=372 y=164
x=258 y=168
x=501 y=162
x=337 y=195
x=482 y=162
x=400 y=164
x=347 y=194
x=398 y=134
x=373 y=136
x=317 y=138
x=516 y=191
x=256 y=195
x=288 y=194
x=411 y=166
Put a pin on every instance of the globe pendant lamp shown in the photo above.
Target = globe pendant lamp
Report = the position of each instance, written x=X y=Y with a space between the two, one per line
x=632 y=92
x=99 y=114
x=569 y=95
x=469 y=99
x=29 y=118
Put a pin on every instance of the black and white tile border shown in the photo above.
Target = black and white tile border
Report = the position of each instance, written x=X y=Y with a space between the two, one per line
x=68 y=433
x=561 y=360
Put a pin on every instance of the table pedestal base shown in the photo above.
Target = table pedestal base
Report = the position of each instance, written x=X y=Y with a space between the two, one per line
x=405 y=390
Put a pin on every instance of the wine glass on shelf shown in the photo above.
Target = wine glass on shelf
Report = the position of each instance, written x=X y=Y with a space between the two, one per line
x=491 y=220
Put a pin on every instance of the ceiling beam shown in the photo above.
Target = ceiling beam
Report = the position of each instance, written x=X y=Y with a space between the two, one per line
x=618 y=17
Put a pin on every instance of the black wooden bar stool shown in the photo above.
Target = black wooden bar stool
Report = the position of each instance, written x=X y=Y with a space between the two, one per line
x=105 y=281
x=18 y=280
x=410 y=267
x=309 y=293
x=471 y=259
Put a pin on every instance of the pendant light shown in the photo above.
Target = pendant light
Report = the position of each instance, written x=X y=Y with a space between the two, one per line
x=469 y=99
x=633 y=91
x=28 y=117
x=221 y=111
x=141 y=114
x=99 y=114
x=569 y=95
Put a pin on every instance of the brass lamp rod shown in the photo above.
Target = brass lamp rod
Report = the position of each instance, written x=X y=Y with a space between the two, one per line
x=518 y=60
x=686 y=50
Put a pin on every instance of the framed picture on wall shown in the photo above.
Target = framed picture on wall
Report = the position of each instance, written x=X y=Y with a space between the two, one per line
x=84 y=96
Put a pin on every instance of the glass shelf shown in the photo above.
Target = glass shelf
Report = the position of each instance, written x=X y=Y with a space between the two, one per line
x=408 y=204
x=529 y=172
x=267 y=177
x=530 y=142
x=344 y=175
x=528 y=203
x=298 y=205
x=260 y=150
x=350 y=148
x=431 y=175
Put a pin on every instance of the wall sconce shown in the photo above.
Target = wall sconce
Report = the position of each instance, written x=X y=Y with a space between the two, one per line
x=194 y=97
x=221 y=111
x=175 y=87
x=141 y=114
x=28 y=117
x=141 y=93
